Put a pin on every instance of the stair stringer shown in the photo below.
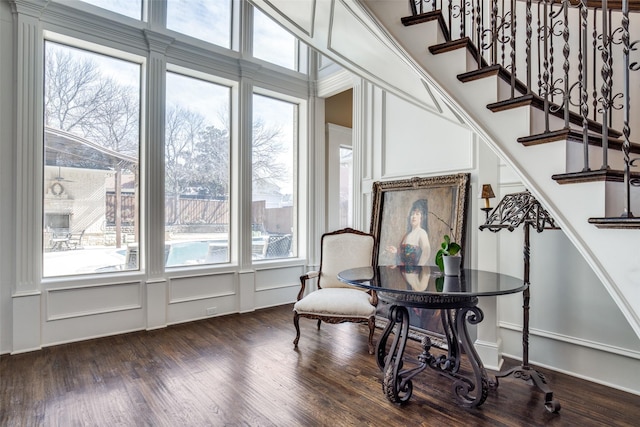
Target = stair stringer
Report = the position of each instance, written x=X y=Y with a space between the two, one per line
x=611 y=252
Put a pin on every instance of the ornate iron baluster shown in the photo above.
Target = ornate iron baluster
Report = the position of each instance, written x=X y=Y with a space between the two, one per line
x=494 y=32
x=605 y=71
x=513 y=48
x=463 y=18
x=529 y=32
x=627 y=47
x=557 y=29
x=565 y=65
x=594 y=35
x=545 y=72
x=584 y=106
x=450 y=23
x=539 y=51
x=550 y=89
x=478 y=19
x=503 y=38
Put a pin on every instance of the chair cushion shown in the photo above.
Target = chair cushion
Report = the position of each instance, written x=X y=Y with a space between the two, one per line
x=342 y=251
x=336 y=302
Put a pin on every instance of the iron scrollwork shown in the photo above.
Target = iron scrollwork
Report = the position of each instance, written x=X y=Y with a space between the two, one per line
x=397 y=382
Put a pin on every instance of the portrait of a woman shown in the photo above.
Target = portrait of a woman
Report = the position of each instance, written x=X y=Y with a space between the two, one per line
x=414 y=248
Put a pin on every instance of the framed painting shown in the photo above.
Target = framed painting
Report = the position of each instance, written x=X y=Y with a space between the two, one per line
x=409 y=220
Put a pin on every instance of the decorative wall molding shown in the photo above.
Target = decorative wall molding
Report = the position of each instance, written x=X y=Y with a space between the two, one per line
x=90 y=300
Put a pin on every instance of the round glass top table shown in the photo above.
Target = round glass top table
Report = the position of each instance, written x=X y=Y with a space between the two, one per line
x=457 y=297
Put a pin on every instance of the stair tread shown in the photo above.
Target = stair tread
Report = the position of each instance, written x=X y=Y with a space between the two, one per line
x=420 y=18
x=574 y=135
x=435 y=15
x=492 y=70
x=461 y=43
x=536 y=101
x=616 y=222
x=609 y=175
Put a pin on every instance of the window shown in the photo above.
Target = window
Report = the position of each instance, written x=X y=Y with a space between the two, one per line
x=91 y=146
x=346 y=187
x=96 y=202
x=197 y=156
x=209 y=21
x=273 y=43
x=275 y=135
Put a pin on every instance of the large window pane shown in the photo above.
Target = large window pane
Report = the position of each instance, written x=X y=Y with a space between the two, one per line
x=91 y=145
x=346 y=187
x=273 y=43
x=196 y=171
x=273 y=166
x=205 y=20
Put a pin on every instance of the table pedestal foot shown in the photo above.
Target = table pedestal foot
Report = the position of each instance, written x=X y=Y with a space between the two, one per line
x=397 y=385
x=480 y=383
x=527 y=373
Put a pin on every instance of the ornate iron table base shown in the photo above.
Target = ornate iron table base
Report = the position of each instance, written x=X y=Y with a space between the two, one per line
x=397 y=383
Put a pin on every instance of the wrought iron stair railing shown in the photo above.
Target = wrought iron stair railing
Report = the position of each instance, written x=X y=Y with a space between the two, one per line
x=566 y=58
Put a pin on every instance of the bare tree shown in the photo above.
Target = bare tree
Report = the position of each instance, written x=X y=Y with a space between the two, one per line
x=211 y=171
x=116 y=125
x=267 y=146
x=75 y=91
x=182 y=128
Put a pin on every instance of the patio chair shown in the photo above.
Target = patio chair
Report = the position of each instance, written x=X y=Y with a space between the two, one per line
x=278 y=246
x=75 y=240
x=335 y=301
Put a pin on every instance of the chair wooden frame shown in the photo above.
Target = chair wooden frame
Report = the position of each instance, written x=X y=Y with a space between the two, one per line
x=373 y=298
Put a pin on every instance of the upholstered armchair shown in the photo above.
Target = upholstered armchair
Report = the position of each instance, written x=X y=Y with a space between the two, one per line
x=335 y=301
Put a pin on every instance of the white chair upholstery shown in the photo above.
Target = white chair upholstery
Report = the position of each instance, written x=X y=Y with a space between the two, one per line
x=335 y=301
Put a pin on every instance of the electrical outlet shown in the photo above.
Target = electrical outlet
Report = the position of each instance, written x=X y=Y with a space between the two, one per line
x=211 y=311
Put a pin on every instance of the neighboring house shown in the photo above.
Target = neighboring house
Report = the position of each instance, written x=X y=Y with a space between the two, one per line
x=77 y=175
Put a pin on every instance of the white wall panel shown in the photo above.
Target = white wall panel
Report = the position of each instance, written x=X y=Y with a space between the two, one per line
x=26 y=323
x=278 y=278
x=416 y=141
x=366 y=51
x=73 y=329
x=201 y=287
x=156 y=302
x=610 y=366
x=276 y=296
x=298 y=13
x=63 y=303
x=190 y=310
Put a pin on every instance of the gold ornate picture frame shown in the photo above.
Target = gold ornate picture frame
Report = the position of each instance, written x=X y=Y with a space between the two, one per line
x=438 y=206
x=443 y=198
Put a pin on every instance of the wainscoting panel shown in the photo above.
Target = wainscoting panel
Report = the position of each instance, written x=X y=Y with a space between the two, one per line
x=277 y=286
x=198 y=297
x=275 y=278
x=84 y=312
x=79 y=301
x=192 y=288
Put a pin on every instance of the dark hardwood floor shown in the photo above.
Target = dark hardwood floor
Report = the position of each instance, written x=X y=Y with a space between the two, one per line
x=242 y=370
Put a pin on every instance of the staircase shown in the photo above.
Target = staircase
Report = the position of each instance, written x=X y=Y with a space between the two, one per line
x=563 y=141
x=571 y=150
